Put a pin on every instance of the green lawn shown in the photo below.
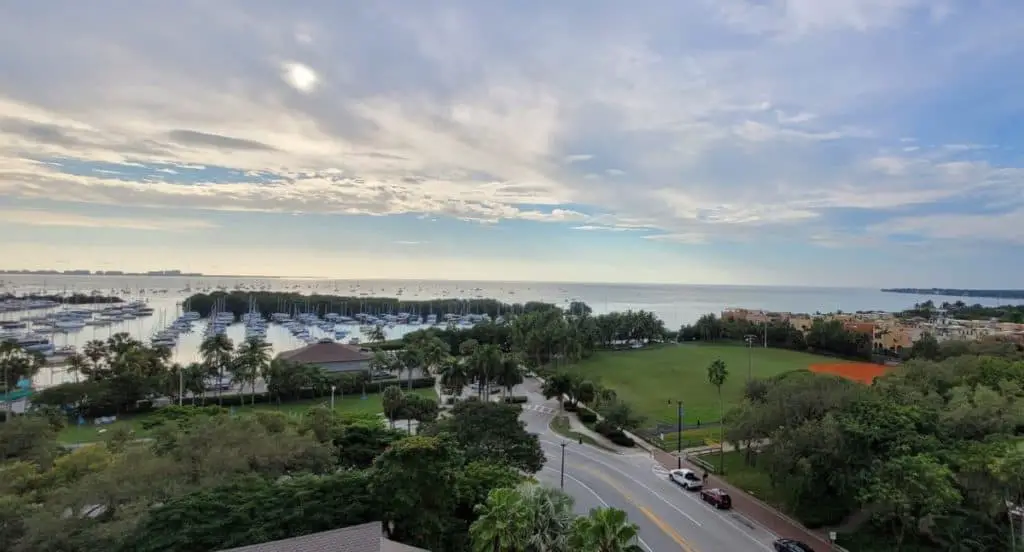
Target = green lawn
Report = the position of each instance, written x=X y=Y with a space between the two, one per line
x=749 y=478
x=351 y=404
x=649 y=378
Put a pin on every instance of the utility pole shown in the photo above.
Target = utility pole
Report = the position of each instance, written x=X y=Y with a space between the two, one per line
x=561 y=484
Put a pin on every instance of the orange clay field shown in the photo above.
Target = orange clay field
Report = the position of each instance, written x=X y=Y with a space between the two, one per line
x=864 y=372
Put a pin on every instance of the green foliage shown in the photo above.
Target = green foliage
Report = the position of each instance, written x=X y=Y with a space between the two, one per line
x=240 y=302
x=604 y=530
x=927 y=453
x=491 y=432
x=181 y=415
x=254 y=510
x=824 y=336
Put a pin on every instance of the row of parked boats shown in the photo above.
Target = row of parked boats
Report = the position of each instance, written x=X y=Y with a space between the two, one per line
x=32 y=333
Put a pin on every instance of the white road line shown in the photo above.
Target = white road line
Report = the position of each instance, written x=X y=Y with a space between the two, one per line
x=598 y=497
x=634 y=480
x=735 y=525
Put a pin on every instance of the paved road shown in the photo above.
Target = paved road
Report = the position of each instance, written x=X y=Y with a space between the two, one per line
x=669 y=518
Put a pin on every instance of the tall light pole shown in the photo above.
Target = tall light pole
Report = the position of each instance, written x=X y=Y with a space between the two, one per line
x=332 y=397
x=679 y=433
x=561 y=483
x=750 y=351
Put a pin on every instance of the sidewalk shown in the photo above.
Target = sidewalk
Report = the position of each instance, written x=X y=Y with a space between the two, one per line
x=753 y=508
x=576 y=425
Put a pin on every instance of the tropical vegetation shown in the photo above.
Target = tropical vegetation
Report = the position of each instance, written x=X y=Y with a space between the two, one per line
x=928 y=457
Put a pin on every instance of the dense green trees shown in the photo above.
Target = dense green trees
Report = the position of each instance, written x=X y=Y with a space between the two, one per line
x=928 y=454
x=209 y=480
x=824 y=336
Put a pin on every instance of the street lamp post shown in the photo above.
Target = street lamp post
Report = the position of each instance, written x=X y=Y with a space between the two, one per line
x=561 y=483
x=332 y=397
x=750 y=358
x=181 y=385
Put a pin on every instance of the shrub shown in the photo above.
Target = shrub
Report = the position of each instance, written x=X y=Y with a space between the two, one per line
x=569 y=406
x=179 y=414
x=621 y=439
x=516 y=399
x=586 y=416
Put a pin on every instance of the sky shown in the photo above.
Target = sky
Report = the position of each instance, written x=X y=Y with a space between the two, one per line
x=777 y=142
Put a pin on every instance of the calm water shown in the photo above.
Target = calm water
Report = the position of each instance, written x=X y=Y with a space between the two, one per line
x=676 y=304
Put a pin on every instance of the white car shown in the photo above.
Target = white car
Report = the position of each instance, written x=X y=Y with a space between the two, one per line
x=686 y=479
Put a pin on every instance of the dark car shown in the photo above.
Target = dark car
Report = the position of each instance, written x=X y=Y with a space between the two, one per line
x=791 y=545
x=717 y=498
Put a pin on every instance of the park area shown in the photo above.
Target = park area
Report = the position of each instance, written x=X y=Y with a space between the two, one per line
x=88 y=433
x=652 y=379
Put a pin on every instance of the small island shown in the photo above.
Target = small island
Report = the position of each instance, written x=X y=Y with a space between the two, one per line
x=954 y=292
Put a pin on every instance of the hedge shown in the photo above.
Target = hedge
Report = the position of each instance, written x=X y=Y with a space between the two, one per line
x=621 y=439
x=569 y=406
x=586 y=416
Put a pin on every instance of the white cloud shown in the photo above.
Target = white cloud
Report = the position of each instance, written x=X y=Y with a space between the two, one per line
x=467 y=112
x=35 y=217
x=1000 y=227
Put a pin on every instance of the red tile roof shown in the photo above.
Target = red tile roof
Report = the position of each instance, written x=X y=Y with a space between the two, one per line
x=321 y=353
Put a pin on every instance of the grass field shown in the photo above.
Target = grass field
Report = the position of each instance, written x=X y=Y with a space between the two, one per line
x=650 y=378
x=353 y=404
x=749 y=478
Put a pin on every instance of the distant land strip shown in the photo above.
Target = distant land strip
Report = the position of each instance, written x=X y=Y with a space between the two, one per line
x=124 y=273
x=953 y=292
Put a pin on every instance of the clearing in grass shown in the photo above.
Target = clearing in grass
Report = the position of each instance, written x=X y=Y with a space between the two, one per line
x=652 y=379
x=350 y=404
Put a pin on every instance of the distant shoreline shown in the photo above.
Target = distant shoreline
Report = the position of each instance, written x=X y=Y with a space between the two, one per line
x=954 y=292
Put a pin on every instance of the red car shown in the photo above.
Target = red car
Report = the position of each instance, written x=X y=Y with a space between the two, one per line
x=717 y=498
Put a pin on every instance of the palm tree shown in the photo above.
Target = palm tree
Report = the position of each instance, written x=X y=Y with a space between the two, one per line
x=194 y=376
x=551 y=517
x=95 y=350
x=604 y=530
x=454 y=376
x=77 y=362
x=252 y=358
x=483 y=364
x=503 y=522
x=377 y=335
x=508 y=374
x=717 y=374
x=408 y=360
x=216 y=352
x=432 y=351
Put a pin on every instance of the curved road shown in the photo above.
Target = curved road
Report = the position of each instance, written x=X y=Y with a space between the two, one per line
x=670 y=519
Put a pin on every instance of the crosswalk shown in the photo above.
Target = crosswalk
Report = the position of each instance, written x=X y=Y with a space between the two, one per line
x=539 y=408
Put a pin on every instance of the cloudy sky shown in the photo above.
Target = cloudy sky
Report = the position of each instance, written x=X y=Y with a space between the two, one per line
x=811 y=142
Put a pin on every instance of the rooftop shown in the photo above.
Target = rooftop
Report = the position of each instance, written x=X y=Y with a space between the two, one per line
x=320 y=353
x=367 y=537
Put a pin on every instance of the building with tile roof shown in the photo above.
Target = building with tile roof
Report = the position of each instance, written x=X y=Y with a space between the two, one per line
x=331 y=356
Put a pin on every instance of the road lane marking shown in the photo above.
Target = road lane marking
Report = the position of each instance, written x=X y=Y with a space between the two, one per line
x=634 y=480
x=667 y=529
x=601 y=500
